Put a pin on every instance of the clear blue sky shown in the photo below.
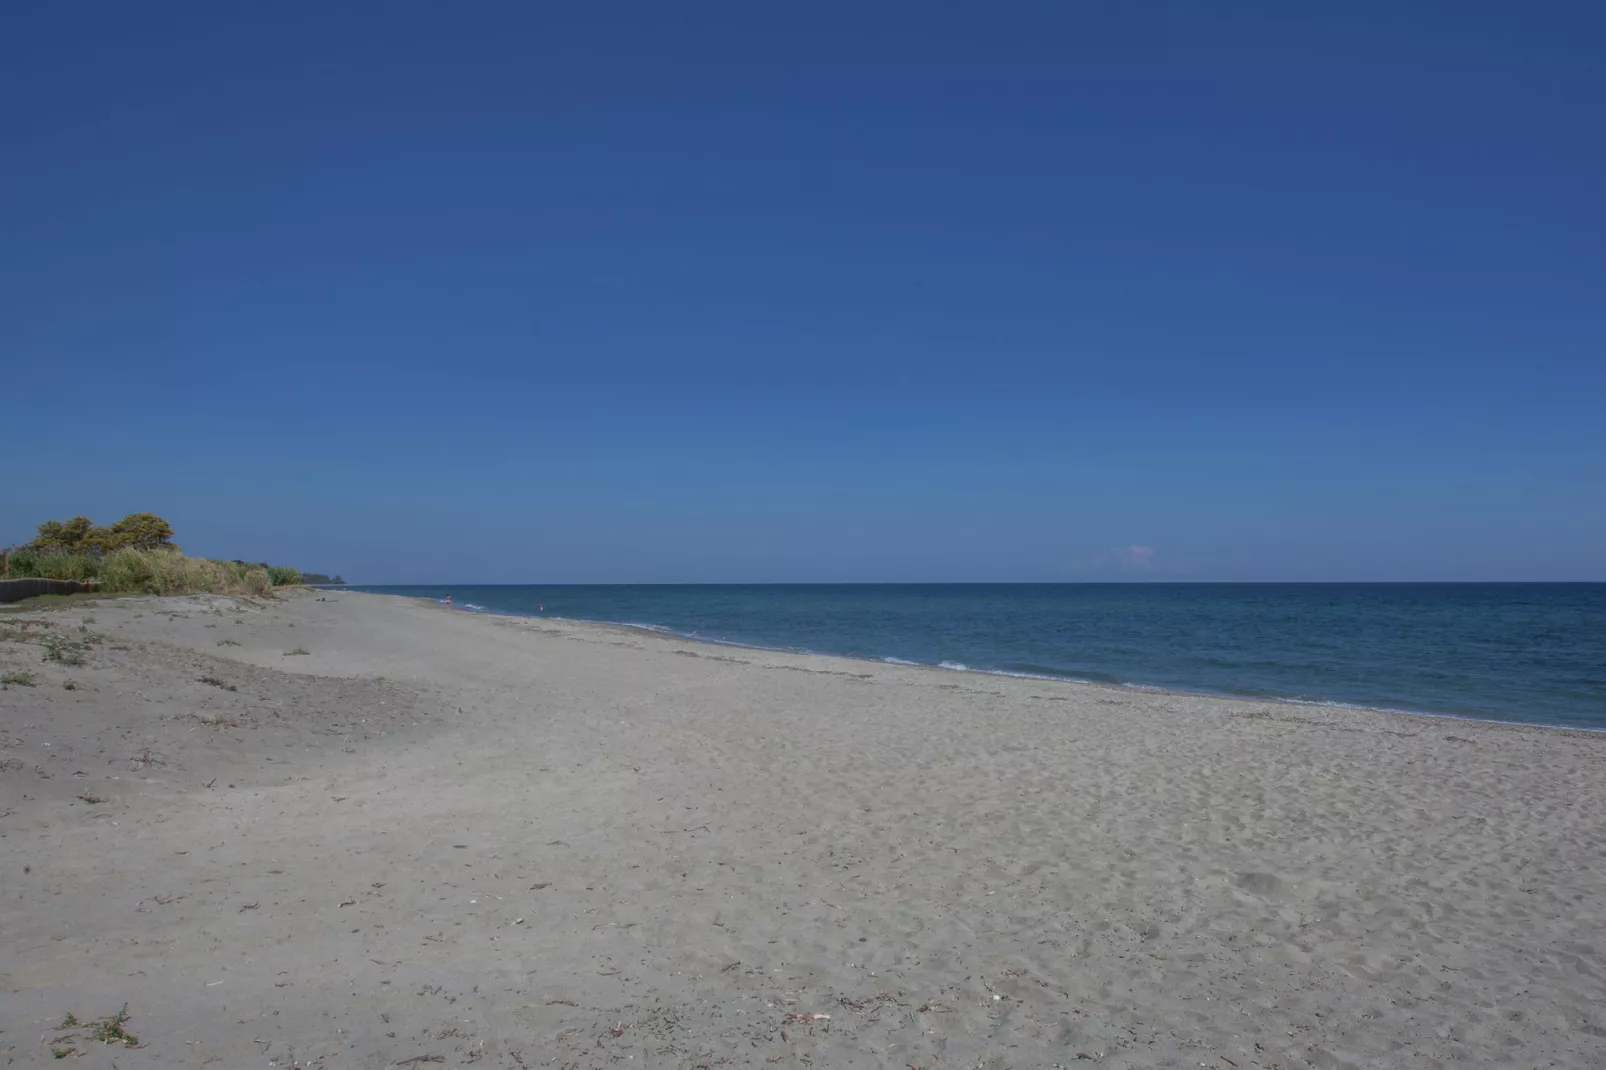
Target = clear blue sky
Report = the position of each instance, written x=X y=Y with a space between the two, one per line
x=753 y=291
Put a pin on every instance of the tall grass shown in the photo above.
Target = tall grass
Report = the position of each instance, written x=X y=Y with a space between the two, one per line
x=153 y=572
x=284 y=575
x=159 y=572
x=31 y=563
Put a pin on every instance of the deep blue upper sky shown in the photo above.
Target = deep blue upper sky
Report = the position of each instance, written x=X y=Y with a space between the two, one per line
x=642 y=292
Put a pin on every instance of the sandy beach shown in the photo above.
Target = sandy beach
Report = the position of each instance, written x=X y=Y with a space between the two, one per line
x=439 y=838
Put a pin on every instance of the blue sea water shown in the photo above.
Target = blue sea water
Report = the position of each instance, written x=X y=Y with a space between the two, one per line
x=1533 y=653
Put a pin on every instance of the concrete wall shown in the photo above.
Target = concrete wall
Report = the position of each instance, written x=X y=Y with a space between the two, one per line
x=16 y=590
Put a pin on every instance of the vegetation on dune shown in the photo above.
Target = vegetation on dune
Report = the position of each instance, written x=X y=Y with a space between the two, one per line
x=145 y=572
x=103 y=1031
x=283 y=575
x=136 y=555
x=80 y=535
x=65 y=649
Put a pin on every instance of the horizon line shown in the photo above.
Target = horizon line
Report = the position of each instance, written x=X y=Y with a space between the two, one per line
x=969 y=583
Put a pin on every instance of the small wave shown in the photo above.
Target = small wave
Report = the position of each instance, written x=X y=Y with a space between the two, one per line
x=1019 y=675
x=1030 y=671
x=659 y=628
x=1058 y=678
x=954 y=665
x=899 y=661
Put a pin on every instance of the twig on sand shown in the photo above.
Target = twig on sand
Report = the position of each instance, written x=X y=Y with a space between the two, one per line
x=671 y=832
x=421 y=1059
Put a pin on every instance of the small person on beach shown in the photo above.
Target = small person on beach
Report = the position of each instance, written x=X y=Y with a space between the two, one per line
x=448 y=600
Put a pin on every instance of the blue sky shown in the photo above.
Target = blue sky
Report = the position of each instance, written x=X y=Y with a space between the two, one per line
x=705 y=292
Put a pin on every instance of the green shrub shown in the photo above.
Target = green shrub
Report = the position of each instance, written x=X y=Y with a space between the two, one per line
x=160 y=571
x=29 y=563
x=151 y=572
x=126 y=570
x=284 y=575
x=22 y=562
x=80 y=535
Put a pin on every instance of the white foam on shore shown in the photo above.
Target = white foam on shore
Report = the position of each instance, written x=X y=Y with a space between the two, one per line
x=1040 y=676
x=659 y=628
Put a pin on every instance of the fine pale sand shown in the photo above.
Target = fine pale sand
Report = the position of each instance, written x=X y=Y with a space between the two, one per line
x=514 y=843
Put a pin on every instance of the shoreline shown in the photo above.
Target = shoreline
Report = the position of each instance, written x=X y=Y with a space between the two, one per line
x=366 y=831
x=1124 y=686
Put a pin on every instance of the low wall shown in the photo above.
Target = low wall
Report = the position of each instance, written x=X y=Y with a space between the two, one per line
x=17 y=590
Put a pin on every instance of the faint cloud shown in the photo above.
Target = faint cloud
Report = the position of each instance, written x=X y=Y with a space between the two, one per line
x=1132 y=558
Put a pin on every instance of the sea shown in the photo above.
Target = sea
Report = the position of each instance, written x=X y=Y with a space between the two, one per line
x=1517 y=652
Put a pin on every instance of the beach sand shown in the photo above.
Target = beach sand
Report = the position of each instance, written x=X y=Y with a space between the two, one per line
x=514 y=843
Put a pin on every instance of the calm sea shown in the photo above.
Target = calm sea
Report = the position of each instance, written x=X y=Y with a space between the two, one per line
x=1511 y=652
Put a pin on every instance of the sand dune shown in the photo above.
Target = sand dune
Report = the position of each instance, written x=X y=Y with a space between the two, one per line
x=530 y=843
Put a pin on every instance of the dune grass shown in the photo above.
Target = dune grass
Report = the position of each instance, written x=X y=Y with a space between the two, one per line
x=284 y=575
x=154 y=572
